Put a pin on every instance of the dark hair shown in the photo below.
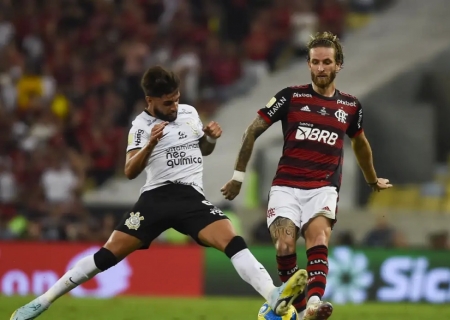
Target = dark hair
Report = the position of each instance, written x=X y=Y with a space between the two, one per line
x=158 y=81
x=327 y=40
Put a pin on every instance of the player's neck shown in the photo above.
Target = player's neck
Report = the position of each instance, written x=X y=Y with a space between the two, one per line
x=150 y=112
x=328 y=91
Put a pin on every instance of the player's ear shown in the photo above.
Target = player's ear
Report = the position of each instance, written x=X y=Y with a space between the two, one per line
x=338 y=67
x=148 y=100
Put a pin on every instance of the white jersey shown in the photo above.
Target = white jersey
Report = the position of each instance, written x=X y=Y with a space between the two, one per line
x=177 y=157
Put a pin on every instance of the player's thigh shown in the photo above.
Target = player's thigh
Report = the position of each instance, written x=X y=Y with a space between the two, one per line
x=205 y=223
x=147 y=219
x=318 y=202
x=283 y=203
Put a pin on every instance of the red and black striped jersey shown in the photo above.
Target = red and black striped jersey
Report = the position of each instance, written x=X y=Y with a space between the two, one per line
x=313 y=127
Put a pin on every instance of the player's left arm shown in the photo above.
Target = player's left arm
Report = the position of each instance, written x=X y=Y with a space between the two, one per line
x=207 y=143
x=363 y=153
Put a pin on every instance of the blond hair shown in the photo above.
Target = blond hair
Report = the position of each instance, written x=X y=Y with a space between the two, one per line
x=328 y=40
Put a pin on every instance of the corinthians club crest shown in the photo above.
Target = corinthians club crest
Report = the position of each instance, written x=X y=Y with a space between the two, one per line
x=134 y=221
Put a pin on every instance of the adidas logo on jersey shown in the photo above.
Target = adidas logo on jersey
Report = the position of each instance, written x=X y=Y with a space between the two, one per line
x=306 y=109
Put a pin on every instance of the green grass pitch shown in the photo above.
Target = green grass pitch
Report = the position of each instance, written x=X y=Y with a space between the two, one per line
x=208 y=309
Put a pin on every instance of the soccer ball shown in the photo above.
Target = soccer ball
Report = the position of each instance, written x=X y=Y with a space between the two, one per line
x=265 y=313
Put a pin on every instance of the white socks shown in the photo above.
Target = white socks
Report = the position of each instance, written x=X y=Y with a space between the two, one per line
x=313 y=299
x=81 y=272
x=253 y=272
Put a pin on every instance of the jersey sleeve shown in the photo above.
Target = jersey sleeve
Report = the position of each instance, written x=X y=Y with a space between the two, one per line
x=277 y=107
x=137 y=137
x=200 y=126
x=197 y=123
x=356 y=126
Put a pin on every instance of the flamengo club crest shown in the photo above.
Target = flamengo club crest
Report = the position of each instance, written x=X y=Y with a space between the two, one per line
x=341 y=115
x=134 y=221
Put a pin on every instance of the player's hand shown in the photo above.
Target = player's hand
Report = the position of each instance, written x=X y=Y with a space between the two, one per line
x=157 y=133
x=381 y=184
x=231 y=189
x=213 y=130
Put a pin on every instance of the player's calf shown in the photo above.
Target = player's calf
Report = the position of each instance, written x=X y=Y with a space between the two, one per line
x=283 y=232
x=317 y=235
x=81 y=272
x=250 y=270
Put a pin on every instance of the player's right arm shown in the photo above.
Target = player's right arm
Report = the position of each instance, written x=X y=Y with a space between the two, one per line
x=140 y=148
x=275 y=110
x=253 y=131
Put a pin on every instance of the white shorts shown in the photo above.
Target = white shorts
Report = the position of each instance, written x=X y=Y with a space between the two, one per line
x=300 y=205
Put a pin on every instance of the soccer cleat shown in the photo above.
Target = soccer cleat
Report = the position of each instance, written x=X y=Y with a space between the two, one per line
x=281 y=298
x=29 y=311
x=318 y=311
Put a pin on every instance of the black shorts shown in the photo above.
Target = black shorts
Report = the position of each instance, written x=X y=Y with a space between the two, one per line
x=176 y=206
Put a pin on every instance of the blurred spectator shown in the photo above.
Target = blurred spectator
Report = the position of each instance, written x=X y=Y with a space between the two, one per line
x=382 y=235
x=304 y=23
x=362 y=6
x=332 y=17
x=439 y=240
x=9 y=191
x=60 y=183
x=345 y=238
x=187 y=66
x=224 y=71
x=257 y=48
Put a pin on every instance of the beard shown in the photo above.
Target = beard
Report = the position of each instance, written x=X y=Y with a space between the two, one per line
x=324 y=81
x=165 y=117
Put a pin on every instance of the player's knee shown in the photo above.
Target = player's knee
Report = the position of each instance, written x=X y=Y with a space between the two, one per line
x=105 y=259
x=318 y=231
x=236 y=245
x=320 y=238
x=285 y=247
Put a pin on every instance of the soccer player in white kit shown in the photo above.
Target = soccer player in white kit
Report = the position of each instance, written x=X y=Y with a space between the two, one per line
x=168 y=141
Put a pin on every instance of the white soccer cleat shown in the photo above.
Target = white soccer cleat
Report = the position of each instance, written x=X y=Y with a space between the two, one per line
x=318 y=311
x=29 y=311
x=281 y=298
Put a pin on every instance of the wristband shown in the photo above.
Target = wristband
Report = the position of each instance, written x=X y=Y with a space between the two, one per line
x=210 y=140
x=373 y=183
x=238 y=176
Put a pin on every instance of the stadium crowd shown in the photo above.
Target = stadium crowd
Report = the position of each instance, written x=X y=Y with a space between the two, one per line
x=70 y=83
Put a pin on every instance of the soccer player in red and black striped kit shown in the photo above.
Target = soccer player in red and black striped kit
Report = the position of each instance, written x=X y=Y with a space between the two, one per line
x=304 y=193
